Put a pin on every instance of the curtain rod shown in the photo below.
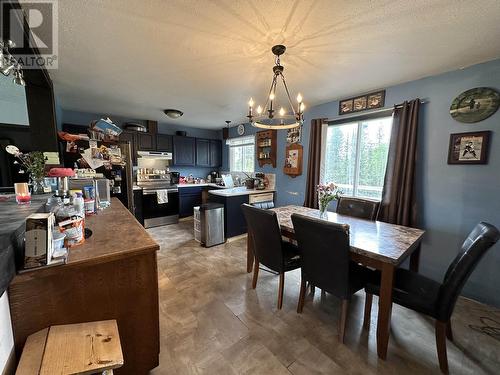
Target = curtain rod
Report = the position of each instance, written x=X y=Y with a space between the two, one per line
x=359 y=114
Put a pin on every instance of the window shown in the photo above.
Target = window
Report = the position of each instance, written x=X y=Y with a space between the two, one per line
x=241 y=154
x=356 y=156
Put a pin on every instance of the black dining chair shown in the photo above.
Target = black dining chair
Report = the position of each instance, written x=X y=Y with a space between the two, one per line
x=269 y=248
x=357 y=207
x=325 y=253
x=435 y=299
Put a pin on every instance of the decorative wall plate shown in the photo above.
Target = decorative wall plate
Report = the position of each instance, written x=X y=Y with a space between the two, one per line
x=475 y=105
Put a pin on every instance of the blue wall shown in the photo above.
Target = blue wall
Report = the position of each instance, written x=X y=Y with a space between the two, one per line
x=85 y=118
x=452 y=198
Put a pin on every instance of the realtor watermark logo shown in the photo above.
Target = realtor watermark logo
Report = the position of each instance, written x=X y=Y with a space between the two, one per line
x=31 y=25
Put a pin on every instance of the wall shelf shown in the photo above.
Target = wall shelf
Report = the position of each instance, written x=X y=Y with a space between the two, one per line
x=266 y=147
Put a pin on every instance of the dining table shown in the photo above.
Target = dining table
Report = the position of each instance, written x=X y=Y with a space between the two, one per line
x=373 y=244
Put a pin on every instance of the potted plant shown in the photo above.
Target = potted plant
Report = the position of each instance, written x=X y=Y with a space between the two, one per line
x=34 y=163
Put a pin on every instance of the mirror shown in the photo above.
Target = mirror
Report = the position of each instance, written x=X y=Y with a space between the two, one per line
x=13 y=108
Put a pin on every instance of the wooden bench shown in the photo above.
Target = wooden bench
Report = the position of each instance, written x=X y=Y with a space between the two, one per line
x=85 y=348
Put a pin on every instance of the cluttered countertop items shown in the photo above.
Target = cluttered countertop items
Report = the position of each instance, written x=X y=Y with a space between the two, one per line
x=52 y=223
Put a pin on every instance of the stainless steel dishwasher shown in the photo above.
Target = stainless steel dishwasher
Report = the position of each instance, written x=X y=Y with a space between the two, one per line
x=209 y=224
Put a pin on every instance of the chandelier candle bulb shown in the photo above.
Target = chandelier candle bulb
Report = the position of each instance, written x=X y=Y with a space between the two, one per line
x=299 y=98
x=259 y=109
x=282 y=112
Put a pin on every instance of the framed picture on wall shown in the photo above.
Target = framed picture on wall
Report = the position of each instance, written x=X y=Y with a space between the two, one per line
x=293 y=135
x=362 y=102
x=469 y=148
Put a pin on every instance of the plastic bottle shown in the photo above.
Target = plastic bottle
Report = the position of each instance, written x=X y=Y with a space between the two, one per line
x=79 y=204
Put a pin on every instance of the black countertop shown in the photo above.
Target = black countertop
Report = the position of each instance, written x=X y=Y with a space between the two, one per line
x=12 y=219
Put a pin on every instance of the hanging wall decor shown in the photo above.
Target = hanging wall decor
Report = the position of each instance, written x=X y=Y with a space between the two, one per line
x=293 y=160
x=294 y=135
x=362 y=102
x=469 y=148
x=475 y=105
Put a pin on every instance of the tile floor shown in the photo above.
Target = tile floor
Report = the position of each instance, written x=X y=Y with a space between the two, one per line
x=213 y=322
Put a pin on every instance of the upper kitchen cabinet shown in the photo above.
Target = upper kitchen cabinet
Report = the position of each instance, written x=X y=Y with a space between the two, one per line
x=184 y=151
x=215 y=153
x=203 y=152
x=146 y=141
x=164 y=143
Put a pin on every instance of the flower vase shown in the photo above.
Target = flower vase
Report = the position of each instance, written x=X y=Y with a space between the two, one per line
x=323 y=213
x=37 y=187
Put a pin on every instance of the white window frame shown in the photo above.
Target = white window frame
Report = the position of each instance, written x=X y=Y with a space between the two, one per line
x=357 y=161
x=247 y=140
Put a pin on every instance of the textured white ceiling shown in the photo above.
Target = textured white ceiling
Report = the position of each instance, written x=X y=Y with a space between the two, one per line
x=134 y=58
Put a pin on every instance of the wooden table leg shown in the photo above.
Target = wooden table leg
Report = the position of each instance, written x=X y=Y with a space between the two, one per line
x=415 y=259
x=384 y=310
x=250 y=256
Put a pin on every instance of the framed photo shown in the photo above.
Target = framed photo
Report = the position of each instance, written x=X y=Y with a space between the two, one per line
x=293 y=135
x=346 y=106
x=293 y=160
x=376 y=100
x=469 y=148
x=362 y=102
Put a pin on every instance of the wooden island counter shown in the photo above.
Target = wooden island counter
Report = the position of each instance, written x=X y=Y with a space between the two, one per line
x=113 y=275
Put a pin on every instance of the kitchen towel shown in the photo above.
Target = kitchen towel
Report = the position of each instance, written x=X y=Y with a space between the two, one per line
x=162 y=196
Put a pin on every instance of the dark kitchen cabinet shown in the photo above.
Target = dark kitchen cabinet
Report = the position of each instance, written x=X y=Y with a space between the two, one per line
x=146 y=142
x=189 y=197
x=131 y=136
x=215 y=153
x=203 y=152
x=164 y=143
x=138 y=206
x=184 y=151
x=234 y=220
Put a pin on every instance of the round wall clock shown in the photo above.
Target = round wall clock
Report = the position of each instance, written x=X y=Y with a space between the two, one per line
x=241 y=129
x=475 y=105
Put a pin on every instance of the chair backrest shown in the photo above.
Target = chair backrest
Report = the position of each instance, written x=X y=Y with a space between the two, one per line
x=264 y=228
x=482 y=238
x=357 y=207
x=324 y=250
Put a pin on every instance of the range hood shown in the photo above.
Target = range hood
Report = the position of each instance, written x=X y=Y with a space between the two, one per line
x=155 y=155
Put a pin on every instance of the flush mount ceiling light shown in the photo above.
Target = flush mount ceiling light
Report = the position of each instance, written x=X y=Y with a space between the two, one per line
x=173 y=113
x=9 y=64
x=266 y=116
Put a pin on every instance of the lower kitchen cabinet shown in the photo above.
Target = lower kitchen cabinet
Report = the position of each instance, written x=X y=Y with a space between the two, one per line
x=234 y=221
x=138 y=213
x=189 y=197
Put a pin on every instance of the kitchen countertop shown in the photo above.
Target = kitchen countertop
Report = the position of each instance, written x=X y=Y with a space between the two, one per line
x=116 y=234
x=233 y=192
x=209 y=184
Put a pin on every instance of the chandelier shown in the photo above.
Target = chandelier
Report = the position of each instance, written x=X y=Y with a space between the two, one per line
x=9 y=64
x=266 y=117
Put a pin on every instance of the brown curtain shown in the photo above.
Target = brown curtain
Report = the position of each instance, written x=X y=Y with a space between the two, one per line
x=398 y=205
x=313 y=164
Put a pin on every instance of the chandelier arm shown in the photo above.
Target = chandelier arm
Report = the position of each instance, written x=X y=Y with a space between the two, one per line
x=287 y=93
x=273 y=84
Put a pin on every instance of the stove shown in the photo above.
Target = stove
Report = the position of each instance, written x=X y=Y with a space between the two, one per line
x=160 y=199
